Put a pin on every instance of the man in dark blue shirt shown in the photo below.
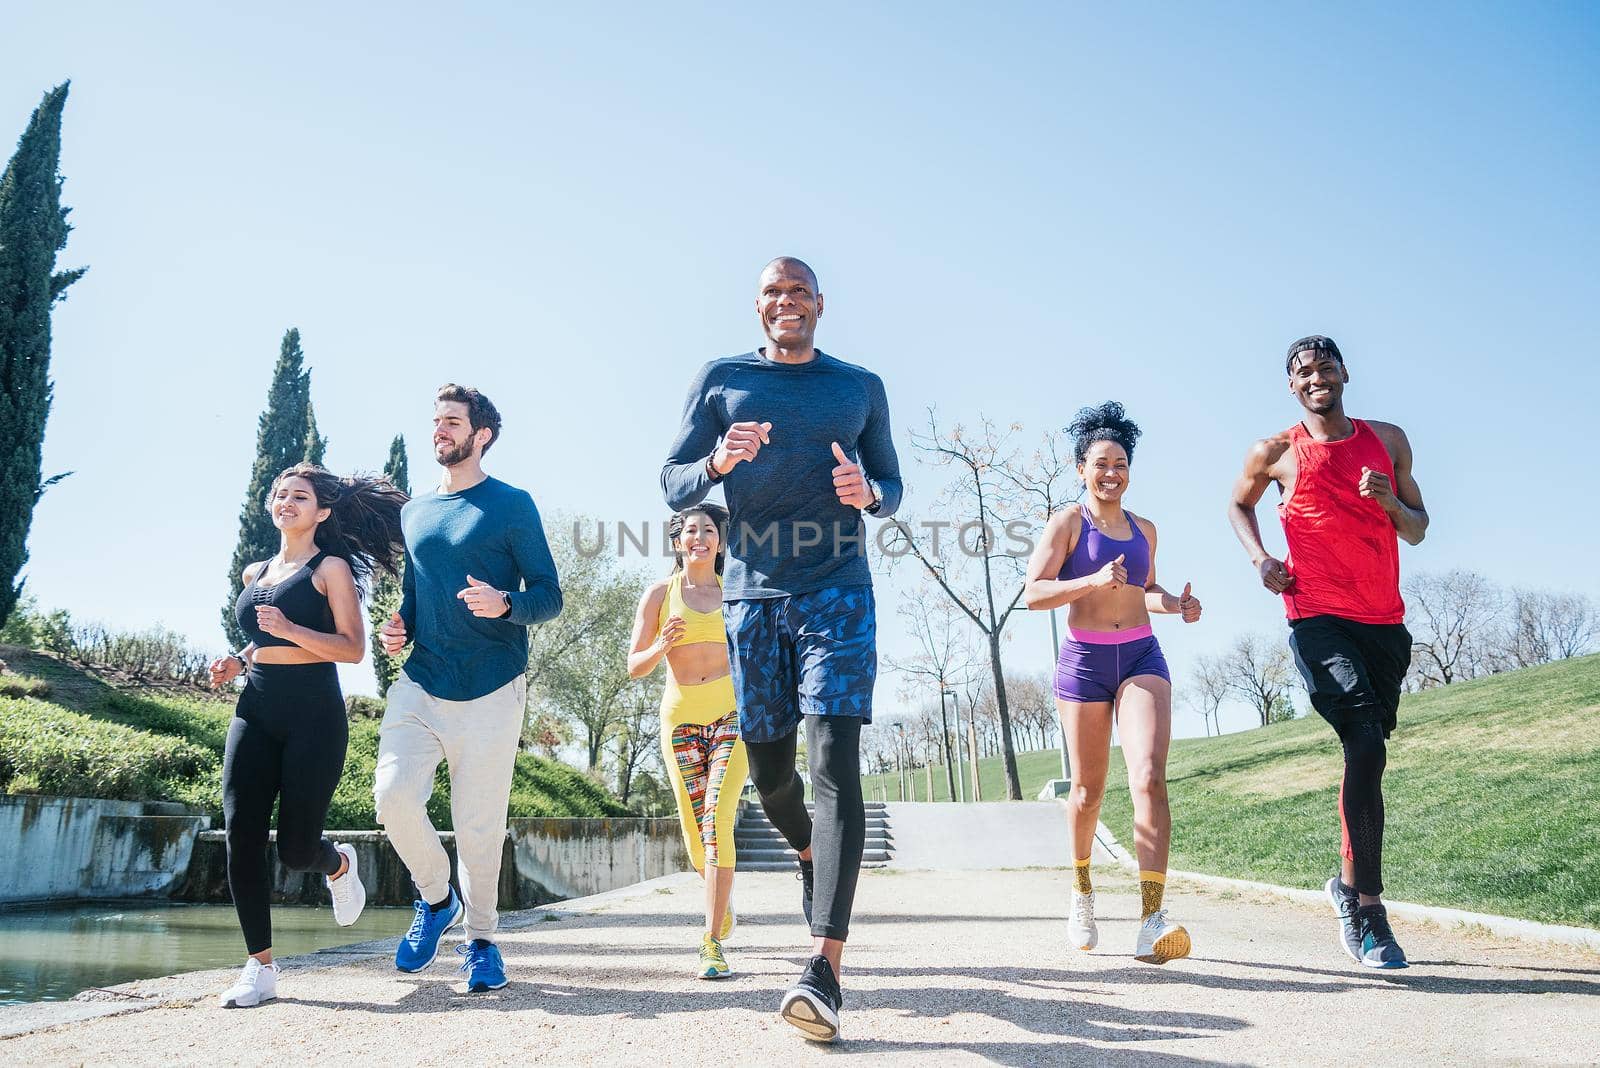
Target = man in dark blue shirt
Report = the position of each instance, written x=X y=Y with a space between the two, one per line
x=478 y=573
x=801 y=444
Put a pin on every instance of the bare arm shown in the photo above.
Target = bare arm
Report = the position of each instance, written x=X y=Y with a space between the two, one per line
x=651 y=642
x=1260 y=466
x=1402 y=499
x=1156 y=598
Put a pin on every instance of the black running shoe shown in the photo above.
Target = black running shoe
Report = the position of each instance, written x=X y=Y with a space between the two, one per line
x=812 y=1005
x=1344 y=903
x=807 y=877
x=1378 y=947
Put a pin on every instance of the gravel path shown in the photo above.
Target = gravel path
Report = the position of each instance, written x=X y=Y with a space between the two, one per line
x=947 y=968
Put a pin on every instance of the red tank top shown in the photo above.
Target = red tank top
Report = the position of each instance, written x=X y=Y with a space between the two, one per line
x=1344 y=553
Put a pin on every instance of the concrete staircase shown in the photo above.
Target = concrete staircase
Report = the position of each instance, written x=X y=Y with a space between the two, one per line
x=762 y=848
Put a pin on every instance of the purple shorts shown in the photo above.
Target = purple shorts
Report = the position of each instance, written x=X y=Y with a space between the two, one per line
x=1093 y=663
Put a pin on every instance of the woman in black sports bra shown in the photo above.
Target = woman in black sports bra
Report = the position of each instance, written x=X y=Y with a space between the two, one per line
x=286 y=744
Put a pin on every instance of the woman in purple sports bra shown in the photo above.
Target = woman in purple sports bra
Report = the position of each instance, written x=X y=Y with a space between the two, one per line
x=1098 y=559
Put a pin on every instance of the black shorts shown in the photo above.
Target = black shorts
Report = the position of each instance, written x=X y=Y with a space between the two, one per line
x=1353 y=671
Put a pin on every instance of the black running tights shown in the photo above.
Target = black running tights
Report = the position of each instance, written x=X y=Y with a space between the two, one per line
x=839 y=832
x=286 y=744
x=1361 y=802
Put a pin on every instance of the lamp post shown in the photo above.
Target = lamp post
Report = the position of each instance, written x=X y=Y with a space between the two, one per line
x=899 y=764
x=1055 y=654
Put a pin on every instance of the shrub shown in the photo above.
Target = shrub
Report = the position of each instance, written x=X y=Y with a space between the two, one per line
x=360 y=706
x=47 y=749
x=22 y=686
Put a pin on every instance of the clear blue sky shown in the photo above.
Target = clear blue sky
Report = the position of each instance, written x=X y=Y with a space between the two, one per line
x=1013 y=212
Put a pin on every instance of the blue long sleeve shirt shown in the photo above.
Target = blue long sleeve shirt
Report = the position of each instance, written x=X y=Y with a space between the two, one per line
x=789 y=534
x=492 y=532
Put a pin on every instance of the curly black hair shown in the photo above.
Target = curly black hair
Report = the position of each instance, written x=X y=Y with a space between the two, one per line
x=712 y=511
x=1106 y=422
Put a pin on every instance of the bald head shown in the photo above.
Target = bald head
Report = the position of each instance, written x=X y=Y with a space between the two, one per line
x=789 y=306
x=790 y=265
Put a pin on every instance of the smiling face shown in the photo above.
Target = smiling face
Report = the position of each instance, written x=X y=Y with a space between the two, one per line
x=1317 y=379
x=293 y=506
x=789 y=304
x=1104 y=470
x=699 y=541
x=454 y=440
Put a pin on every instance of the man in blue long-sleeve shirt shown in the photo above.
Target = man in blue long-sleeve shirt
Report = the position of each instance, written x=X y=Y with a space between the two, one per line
x=478 y=573
x=801 y=444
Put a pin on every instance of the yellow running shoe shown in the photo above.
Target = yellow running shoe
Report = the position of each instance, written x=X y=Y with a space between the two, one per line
x=730 y=921
x=713 y=965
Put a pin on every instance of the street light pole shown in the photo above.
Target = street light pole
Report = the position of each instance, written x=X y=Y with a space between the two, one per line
x=1055 y=654
x=961 y=778
x=899 y=764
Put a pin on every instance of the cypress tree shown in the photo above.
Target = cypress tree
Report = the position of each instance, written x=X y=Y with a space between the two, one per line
x=315 y=444
x=285 y=435
x=33 y=228
x=385 y=590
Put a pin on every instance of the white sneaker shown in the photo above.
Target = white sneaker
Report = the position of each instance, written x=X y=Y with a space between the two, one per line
x=730 y=923
x=1161 y=940
x=257 y=983
x=1081 y=929
x=349 y=896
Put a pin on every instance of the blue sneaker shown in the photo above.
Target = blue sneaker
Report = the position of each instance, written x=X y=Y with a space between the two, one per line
x=483 y=967
x=1378 y=946
x=421 y=944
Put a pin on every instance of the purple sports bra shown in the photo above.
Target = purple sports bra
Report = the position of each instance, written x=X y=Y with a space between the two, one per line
x=1094 y=551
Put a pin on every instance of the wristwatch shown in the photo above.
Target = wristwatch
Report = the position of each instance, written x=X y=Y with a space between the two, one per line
x=877 y=500
x=506 y=597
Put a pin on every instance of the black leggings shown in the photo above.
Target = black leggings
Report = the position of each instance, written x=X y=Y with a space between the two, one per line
x=840 y=830
x=286 y=744
x=1361 y=802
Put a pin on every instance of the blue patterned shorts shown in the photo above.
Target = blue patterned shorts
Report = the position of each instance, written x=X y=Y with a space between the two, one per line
x=811 y=654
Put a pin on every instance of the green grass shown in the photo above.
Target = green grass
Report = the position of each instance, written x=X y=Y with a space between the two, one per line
x=1492 y=792
x=66 y=731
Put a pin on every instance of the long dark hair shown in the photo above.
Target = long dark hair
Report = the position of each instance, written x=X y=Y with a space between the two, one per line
x=719 y=518
x=363 y=524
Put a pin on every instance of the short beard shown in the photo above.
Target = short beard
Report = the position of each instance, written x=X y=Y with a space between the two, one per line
x=457 y=454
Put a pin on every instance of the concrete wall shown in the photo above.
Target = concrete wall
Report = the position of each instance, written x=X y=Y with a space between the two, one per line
x=979 y=836
x=65 y=848
x=563 y=858
x=545 y=860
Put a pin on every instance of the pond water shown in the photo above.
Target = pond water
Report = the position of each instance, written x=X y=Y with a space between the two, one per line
x=52 y=954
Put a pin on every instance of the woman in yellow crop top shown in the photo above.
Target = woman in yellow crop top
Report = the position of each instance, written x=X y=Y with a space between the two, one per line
x=680 y=620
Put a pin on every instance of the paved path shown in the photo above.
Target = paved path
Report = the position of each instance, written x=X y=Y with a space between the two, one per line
x=948 y=968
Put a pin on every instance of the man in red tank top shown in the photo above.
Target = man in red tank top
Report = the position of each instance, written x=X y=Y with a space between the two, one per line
x=1347 y=494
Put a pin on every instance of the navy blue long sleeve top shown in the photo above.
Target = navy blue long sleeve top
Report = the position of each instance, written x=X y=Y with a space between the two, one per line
x=789 y=534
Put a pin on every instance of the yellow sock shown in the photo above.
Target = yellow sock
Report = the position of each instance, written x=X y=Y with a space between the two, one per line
x=1080 y=874
x=1151 y=886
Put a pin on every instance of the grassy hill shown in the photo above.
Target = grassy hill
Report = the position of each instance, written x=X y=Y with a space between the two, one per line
x=67 y=731
x=1492 y=791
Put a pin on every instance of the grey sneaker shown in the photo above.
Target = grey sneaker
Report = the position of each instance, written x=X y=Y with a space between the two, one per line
x=1344 y=906
x=1378 y=947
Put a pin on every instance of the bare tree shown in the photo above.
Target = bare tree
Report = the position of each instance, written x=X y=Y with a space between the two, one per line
x=1207 y=690
x=638 y=733
x=1033 y=706
x=983 y=575
x=1452 y=617
x=1545 y=626
x=944 y=659
x=1258 y=672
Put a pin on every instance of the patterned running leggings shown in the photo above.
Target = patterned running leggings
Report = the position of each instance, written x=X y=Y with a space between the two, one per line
x=708 y=768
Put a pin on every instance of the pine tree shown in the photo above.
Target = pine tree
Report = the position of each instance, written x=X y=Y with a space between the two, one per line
x=385 y=590
x=285 y=435
x=33 y=228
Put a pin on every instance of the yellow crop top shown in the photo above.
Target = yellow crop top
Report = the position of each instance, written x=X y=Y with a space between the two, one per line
x=702 y=626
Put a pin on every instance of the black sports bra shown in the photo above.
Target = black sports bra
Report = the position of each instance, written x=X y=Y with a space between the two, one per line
x=296 y=597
